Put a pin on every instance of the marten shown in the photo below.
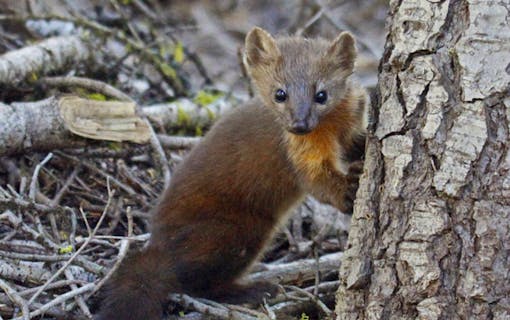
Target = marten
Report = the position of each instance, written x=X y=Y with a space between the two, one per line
x=302 y=133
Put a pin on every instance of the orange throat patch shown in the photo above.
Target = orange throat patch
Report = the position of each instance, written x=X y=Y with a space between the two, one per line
x=314 y=153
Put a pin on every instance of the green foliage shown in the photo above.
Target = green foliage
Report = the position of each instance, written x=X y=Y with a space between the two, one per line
x=204 y=98
x=115 y=146
x=198 y=131
x=167 y=70
x=178 y=52
x=304 y=316
x=96 y=96
x=66 y=249
x=183 y=119
x=33 y=77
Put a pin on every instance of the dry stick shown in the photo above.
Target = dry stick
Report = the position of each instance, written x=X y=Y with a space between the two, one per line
x=109 y=177
x=255 y=313
x=123 y=249
x=19 y=202
x=33 y=257
x=74 y=223
x=293 y=246
x=54 y=285
x=141 y=237
x=123 y=169
x=217 y=310
x=35 y=175
x=195 y=59
x=145 y=9
x=314 y=298
x=89 y=84
x=79 y=299
x=15 y=297
x=60 y=299
x=342 y=26
x=117 y=7
x=267 y=308
x=310 y=22
x=68 y=262
x=23 y=273
x=317 y=271
x=160 y=152
x=287 y=272
x=56 y=200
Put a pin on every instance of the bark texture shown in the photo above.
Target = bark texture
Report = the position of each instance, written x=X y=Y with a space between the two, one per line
x=44 y=57
x=430 y=235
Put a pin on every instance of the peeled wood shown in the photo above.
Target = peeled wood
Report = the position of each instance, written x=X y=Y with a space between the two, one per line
x=103 y=120
x=56 y=123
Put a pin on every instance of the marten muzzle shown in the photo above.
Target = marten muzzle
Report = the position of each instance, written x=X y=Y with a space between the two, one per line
x=303 y=119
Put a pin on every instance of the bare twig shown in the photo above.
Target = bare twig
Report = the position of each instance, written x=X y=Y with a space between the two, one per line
x=68 y=262
x=35 y=175
x=209 y=307
x=60 y=299
x=86 y=83
x=79 y=299
x=16 y=298
x=123 y=249
x=314 y=298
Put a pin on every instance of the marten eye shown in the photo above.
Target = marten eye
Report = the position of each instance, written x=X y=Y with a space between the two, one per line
x=321 y=97
x=280 y=95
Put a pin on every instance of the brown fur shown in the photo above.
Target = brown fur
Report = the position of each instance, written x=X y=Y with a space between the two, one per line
x=228 y=196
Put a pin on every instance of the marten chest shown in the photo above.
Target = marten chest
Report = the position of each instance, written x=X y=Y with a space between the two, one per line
x=316 y=153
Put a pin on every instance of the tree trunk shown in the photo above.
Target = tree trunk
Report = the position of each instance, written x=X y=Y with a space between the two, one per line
x=430 y=235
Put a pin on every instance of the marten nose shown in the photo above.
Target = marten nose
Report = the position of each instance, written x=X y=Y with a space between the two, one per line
x=300 y=127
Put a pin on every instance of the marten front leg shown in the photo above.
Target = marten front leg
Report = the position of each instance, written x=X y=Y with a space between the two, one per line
x=337 y=189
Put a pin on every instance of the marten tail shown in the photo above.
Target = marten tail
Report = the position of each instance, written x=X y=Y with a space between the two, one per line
x=138 y=289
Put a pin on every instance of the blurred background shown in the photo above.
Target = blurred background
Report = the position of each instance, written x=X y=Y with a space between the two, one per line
x=183 y=56
x=210 y=32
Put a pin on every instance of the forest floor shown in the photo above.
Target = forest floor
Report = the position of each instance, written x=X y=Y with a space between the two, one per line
x=69 y=216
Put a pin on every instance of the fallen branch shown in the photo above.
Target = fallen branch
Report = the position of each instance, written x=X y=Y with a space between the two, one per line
x=55 y=123
x=177 y=142
x=184 y=113
x=299 y=270
x=47 y=56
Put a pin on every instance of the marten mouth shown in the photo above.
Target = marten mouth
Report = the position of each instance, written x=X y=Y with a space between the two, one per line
x=301 y=127
x=300 y=131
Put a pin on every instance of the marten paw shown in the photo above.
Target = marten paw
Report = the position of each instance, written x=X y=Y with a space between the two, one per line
x=352 y=178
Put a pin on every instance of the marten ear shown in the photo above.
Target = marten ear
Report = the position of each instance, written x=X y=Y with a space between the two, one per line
x=342 y=52
x=260 y=47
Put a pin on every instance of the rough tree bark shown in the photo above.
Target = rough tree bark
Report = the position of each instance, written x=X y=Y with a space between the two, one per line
x=430 y=235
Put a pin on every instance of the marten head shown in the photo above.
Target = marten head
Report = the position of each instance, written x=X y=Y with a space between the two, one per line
x=300 y=79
